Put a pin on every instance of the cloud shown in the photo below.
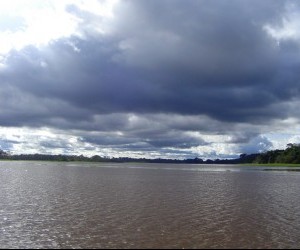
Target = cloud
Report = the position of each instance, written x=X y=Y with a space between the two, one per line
x=153 y=76
x=258 y=144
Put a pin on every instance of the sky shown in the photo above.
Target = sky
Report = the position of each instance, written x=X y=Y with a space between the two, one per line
x=139 y=78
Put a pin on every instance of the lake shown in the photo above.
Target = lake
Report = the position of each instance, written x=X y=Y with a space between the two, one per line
x=82 y=205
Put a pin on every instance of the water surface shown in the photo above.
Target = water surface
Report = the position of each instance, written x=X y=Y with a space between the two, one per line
x=81 y=205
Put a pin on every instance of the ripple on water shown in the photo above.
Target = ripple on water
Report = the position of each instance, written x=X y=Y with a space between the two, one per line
x=147 y=206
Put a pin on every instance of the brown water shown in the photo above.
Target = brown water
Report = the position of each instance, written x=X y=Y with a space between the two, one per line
x=56 y=205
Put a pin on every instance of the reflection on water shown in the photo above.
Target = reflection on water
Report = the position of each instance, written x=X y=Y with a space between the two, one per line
x=56 y=205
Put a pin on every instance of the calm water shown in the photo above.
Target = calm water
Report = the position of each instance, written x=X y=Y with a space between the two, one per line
x=64 y=205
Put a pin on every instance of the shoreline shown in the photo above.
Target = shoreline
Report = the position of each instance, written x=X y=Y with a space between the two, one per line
x=269 y=165
x=149 y=162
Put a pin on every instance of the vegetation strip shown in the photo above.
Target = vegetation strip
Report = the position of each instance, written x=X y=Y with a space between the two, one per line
x=290 y=157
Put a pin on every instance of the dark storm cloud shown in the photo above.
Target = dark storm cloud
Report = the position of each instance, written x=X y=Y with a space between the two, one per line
x=90 y=80
x=134 y=140
x=220 y=60
x=187 y=58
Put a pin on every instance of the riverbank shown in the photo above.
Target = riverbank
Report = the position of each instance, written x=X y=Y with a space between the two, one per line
x=270 y=165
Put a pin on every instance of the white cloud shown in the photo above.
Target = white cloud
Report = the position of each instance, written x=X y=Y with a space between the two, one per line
x=45 y=21
x=42 y=23
x=102 y=8
x=42 y=140
x=290 y=25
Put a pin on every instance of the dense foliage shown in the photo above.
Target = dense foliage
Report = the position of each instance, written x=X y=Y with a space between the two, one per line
x=291 y=155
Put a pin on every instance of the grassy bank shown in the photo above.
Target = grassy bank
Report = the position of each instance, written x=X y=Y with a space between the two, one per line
x=270 y=165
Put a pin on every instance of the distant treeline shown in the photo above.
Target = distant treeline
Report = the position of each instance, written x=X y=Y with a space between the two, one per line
x=291 y=155
x=96 y=158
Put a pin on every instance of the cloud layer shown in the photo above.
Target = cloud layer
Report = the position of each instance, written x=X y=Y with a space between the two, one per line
x=155 y=78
